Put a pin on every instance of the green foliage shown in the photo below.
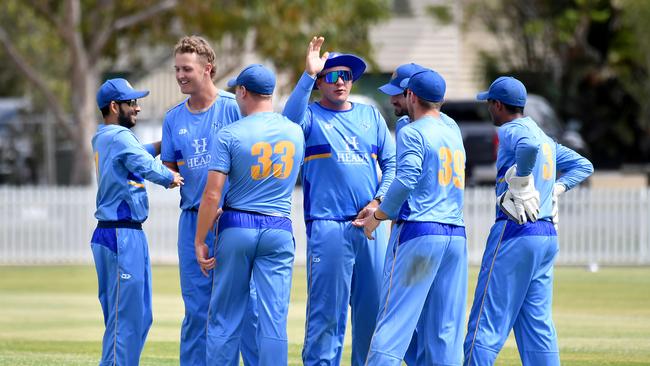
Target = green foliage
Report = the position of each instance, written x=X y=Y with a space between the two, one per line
x=281 y=32
x=32 y=37
x=64 y=48
x=591 y=58
x=442 y=13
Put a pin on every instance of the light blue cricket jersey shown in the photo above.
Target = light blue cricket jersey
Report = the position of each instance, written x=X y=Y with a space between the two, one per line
x=405 y=120
x=262 y=154
x=340 y=174
x=430 y=179
x=522 y=142
x=187 y=138
x=122 y=164
x=401 y=122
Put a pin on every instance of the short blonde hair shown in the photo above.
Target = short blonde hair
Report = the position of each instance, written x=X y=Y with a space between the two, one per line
x=198 y=45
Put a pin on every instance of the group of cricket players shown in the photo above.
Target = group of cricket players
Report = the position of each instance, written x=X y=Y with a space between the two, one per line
x=384 y=218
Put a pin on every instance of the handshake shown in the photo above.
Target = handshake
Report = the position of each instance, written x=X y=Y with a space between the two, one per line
x=521 y=201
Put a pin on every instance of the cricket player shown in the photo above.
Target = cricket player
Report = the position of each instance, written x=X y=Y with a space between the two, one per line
x=398 y=100
x=427 y=257
x=345 y=143
x=515 y=283
x=261 y=155
x=398 y=94
x=188 y=131
x=119 y=245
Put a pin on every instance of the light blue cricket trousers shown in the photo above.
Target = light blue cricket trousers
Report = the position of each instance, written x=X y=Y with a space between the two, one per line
x=344 y=268
x=515 y=290
x=124 y=277
x=196 y=288
x=248 y=245
x=425 y=285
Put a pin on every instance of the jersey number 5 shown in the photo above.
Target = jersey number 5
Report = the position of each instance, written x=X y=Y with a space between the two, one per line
x=451 y=163
x=264 y=151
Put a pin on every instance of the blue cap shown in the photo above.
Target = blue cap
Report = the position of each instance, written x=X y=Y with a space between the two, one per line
x=256 y=78
x=117 y=89
x=355 y=63
x=402 y=72
x=507 y=90
x=426 y=84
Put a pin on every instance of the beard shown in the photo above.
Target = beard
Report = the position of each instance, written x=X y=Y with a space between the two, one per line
x=125 y=120
x=401 y=112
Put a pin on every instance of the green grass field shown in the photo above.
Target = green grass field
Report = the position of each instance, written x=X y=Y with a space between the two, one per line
x=51 y=316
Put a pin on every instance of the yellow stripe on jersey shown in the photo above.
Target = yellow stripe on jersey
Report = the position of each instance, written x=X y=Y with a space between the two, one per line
x=318 y=156
x=135 y=184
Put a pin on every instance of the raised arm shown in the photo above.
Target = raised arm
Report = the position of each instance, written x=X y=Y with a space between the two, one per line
x=299 y=99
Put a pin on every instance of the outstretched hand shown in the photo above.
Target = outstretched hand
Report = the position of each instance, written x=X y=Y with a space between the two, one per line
x=314 y=62
x=177 y=181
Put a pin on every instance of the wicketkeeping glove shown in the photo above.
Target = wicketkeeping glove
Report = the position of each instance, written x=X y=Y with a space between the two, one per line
x=521 y=201
x=558 y=189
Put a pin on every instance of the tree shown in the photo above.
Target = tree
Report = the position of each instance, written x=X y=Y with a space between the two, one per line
x=591 y=58
x=62 y=48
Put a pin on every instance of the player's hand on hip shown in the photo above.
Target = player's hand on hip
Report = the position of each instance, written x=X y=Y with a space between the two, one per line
x=314 y=62
x=521 y=201
x=558 y=189
x=202 y=253
x=178 y=180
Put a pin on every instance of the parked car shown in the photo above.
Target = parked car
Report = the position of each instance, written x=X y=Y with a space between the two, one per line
x=481 y=139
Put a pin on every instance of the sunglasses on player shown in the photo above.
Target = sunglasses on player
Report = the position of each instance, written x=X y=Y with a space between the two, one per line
x=130 y=103
x=333 y=76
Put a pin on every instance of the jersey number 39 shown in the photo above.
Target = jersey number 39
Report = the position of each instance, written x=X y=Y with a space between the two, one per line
x=451 y=166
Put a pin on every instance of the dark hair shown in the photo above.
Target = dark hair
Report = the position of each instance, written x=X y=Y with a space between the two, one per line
x=513 y=109
x=106 y=110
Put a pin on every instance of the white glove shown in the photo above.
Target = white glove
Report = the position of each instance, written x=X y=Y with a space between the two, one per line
x=558 y=189
x=521 y=201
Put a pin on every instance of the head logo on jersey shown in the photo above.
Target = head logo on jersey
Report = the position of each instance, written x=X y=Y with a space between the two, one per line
x=351 y=154
x=352 y=143
x=201 y=157
x=200 y=146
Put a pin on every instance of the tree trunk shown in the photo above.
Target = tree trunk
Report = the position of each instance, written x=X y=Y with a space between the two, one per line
x=86 y=121
x=84 y=84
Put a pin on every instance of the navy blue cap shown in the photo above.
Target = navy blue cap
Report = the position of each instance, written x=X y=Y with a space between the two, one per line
x=402 y=72
x=355 y=63
x=507 y=90
x=256 y=78
x=117 y=89
x=426 y=84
